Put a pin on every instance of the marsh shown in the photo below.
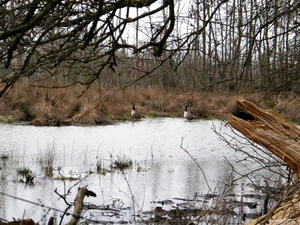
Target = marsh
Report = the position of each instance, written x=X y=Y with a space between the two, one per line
x=175 y=163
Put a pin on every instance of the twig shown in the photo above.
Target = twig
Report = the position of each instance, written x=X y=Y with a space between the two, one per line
x=195 y=161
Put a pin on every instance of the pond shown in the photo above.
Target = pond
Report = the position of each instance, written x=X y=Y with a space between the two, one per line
x=175 y=164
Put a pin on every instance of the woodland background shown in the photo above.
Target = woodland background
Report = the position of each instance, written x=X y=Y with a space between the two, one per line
x=229 y=48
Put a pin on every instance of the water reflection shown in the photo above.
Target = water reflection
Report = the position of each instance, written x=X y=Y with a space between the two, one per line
x=161 y=171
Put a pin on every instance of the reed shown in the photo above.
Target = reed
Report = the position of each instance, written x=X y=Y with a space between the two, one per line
x=101 y=105
x=46 y=159
x=100 y=168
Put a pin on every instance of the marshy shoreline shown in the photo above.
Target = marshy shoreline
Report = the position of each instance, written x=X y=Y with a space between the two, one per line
x=30 y=105
x=157 y=167
x=99 y=105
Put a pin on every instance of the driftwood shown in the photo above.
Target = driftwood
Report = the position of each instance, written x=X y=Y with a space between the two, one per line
x=78 y=204
x=270 y=130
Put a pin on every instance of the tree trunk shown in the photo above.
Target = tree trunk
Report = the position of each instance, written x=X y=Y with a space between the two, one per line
x=272 y=131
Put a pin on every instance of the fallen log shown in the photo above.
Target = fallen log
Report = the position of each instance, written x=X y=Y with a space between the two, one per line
x=281 y=137
x=270 y=130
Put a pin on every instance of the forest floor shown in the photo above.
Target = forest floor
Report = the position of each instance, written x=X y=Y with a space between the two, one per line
x=102 y=105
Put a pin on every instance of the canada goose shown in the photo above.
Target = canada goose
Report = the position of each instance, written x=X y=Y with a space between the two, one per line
x=134 y=113
x=188 y=115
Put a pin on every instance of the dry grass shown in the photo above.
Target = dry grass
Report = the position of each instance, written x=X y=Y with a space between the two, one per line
x=102 y=105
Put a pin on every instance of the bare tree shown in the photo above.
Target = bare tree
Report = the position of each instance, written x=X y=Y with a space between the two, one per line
x=78 y=37
x=232 y=45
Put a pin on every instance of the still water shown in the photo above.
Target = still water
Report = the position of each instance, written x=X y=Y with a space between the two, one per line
x=161 y=170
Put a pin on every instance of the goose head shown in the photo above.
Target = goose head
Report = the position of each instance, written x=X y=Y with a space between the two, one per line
x=185 y=107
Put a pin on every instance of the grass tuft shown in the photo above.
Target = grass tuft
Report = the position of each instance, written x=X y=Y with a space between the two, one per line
x=27 y=174
x=122 y=163
x=4 y=156
x=46 y=160
x=27 y=113
x=100 y=167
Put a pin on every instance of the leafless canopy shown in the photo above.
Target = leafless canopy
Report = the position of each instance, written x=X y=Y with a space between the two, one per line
x=207 y=42
x=42 y=35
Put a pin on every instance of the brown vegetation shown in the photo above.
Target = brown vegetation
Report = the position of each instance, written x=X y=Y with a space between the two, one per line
x=100 y=105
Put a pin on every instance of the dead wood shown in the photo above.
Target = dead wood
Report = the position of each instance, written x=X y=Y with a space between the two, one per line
x=19 y=222
x=279 y=136
x=272 y=131
x=78 y=204
x=287 y=214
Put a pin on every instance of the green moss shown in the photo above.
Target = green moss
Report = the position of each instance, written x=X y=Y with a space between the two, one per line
x=7 y=119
